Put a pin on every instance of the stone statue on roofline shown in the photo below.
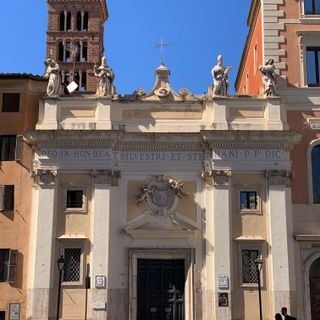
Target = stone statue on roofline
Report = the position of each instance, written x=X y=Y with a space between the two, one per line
x=105 y=78
x=220 y=78
x=52 y=73
x=269 y=78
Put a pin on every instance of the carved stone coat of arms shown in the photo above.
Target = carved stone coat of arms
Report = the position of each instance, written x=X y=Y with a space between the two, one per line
x=162 y=194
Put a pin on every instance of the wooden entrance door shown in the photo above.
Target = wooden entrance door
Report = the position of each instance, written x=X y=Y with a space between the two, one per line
x=160 y=289
x=315 y=297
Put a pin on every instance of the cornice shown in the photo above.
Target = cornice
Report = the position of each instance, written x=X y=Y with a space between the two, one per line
x=118 y=140
x=251 y=139
x=72 y=35
x=253 y=12
x=158 y=146
x=102 y=3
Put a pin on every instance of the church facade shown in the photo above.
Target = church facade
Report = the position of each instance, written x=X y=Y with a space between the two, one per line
x=168 y=206
x=165 y=204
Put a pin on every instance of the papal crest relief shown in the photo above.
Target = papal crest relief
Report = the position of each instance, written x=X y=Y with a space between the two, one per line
x=162 y=194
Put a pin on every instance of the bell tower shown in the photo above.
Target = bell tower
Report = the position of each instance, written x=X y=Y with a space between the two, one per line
x=75 y=39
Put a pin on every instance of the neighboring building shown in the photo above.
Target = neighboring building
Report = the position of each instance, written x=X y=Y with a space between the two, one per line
x=288 y=32
x=75 y=39
x=19 y=96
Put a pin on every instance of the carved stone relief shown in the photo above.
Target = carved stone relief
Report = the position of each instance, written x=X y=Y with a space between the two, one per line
x=45 y=176
x=279 y=177
x=161 y=194
x=103 y=176
x=221 y=177
x=206 y=173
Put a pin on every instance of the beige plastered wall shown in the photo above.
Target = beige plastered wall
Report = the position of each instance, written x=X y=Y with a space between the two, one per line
x=73 y=230
x=252 y=229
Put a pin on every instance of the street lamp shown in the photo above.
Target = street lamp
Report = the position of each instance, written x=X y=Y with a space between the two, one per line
x=87 y=285
x=259 y=263
x=60 y=264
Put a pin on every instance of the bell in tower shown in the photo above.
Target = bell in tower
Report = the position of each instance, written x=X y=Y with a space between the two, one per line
x=75 y=39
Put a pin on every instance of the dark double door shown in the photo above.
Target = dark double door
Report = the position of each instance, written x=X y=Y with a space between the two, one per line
x=160 y=289
x=315 y=297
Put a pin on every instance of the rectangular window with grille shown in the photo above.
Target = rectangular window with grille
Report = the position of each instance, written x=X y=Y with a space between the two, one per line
x=75 y=198
x=72 y=264
x=249 y=273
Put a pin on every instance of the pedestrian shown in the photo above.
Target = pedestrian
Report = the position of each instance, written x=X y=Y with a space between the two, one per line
x=285 y=315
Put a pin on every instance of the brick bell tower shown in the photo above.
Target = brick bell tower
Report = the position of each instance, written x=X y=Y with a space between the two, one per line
x=75 y=39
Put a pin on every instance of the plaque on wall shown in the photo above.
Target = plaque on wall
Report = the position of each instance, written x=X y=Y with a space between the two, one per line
x=314 y=123
x=223 y=299
x=100 y=281
x=99 y=305
x=14 y=311
x=223 y=282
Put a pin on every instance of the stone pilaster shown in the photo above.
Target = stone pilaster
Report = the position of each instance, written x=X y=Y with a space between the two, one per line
x=222 y=239
x=281 y=238
x=42 y=265
x=103 y=180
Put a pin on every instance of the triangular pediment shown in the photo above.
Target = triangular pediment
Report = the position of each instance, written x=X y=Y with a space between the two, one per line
x=149 y=225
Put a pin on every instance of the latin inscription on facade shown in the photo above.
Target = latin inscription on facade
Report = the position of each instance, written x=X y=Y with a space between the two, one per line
x=109 y=155
x=248 y=154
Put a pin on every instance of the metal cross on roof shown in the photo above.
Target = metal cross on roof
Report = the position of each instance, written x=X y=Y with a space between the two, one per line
x=162 y=45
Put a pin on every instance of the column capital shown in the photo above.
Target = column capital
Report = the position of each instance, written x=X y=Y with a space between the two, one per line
x=221 y=176
x=215 y=176
x=106 y=176
x=279 y=177
x=45 y=176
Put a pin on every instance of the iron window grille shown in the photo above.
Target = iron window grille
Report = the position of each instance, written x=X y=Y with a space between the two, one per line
x=72 y=264
x=249 y=272
x=74 y=198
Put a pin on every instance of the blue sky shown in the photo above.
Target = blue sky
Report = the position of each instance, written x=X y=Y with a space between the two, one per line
x=198 y=30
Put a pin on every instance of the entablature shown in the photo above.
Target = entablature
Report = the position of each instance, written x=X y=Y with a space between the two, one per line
x=237 y=150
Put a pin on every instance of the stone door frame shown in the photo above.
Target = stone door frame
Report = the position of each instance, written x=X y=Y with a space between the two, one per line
x=185 y=254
